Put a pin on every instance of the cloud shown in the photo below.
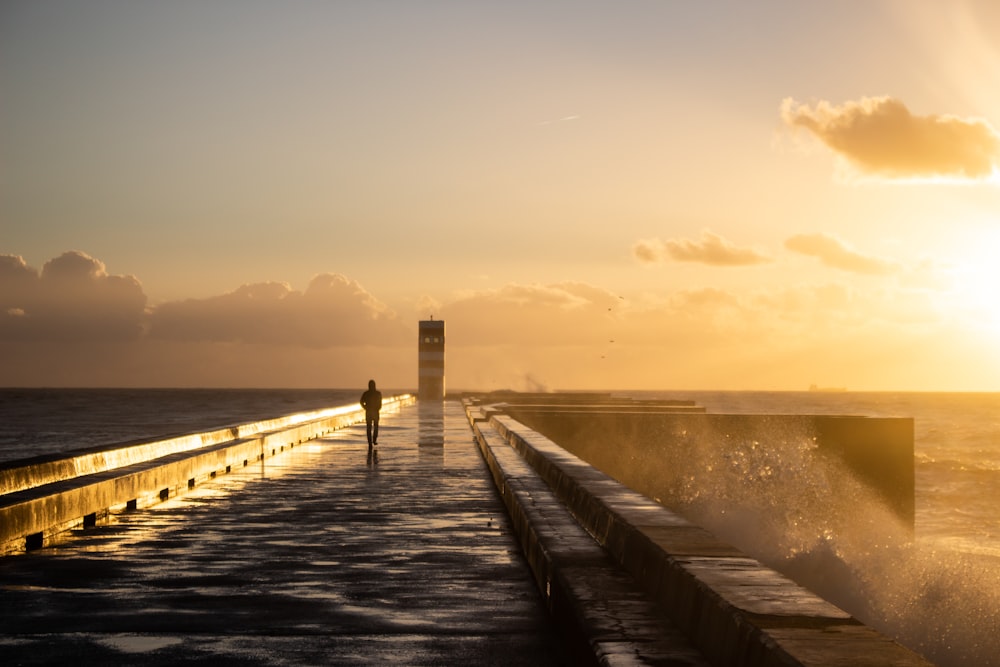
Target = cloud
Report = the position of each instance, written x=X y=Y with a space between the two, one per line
x=712 y=249
x=72 y=298
x=18 y=284
x=880 y=137
x=708 y=297
x=836 y=254
x=73 y=324
x=333 y=311
x=568 y=335
x=564 y=119
x=568 y=313
x=426 y=306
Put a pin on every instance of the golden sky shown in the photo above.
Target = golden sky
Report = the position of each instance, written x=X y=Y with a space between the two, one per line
x=640 y=195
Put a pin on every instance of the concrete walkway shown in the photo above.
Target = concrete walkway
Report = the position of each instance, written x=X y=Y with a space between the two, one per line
x=315 y=557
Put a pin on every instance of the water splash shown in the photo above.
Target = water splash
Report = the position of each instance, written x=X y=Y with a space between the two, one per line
x=780 y=498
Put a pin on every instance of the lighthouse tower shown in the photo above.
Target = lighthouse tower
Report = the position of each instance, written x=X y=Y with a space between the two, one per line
x=431 y=360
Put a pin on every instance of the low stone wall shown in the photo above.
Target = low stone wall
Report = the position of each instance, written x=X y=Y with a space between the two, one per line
x=37 y=471
x=603 y=618
x=47 y=496
x=732 y=608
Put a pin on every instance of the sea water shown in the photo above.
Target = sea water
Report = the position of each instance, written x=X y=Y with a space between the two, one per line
x=35 y=422
x=935 y=587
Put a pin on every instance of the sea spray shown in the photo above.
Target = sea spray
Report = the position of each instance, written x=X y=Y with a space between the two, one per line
x=782 y=499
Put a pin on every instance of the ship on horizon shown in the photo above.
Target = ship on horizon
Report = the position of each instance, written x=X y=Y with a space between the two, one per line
x=814 y=387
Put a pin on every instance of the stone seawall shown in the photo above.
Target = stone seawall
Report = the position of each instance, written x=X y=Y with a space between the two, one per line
x=732 y=608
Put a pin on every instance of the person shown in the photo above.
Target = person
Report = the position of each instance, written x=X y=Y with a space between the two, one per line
x=371 y=401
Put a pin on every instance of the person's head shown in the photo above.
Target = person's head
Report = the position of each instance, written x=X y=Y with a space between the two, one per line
x=371 y=384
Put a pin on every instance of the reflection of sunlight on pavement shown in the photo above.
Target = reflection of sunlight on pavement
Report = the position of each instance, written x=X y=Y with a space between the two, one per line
x=309 y=552
x=124 y=529
x=138 y=643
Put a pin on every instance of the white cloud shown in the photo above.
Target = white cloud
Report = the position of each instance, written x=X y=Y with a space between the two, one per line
x=560 y=336
x=879 y=136
x=837 y=254
x=711 y=249
x=333 y=311
x=72 y=298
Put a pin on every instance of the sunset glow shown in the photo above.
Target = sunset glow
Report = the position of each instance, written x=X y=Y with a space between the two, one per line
x=975 y=293
x=658 y=195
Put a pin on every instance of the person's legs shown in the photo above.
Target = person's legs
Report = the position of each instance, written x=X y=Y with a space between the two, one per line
x=375 y=431
x=368 y=424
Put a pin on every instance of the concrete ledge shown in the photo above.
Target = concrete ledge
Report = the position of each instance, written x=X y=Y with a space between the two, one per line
x=37 y=471
x=732 y=608
x=55 y=501
x=596 y=606
x=607 y=408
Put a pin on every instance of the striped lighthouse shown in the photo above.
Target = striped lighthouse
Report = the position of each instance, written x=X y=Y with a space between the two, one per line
x=431 y=360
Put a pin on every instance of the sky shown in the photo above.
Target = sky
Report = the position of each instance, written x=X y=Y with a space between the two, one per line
x=591 y=195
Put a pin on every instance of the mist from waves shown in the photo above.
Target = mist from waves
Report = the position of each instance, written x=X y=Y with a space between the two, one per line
x=777 y=497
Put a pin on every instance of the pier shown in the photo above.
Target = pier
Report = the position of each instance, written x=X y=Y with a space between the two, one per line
x=470 y=539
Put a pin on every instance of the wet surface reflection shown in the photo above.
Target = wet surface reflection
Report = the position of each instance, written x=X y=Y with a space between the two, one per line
x=430 y=432
x=358 y=563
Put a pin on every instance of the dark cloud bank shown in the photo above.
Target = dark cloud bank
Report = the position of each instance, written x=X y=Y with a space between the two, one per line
x=73 y=298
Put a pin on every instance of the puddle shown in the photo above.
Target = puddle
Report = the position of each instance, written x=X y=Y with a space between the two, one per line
x=138 y=643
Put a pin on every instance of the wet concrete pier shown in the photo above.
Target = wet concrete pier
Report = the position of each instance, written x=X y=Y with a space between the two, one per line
x=489 y=546
x=316 y=556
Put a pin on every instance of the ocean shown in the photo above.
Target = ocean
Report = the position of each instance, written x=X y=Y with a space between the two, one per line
x=935 y=588
x=35 y=422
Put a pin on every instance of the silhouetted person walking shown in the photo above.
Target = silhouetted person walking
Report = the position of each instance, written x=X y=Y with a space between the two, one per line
x=371 y=401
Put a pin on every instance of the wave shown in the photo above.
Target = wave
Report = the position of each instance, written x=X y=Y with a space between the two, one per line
x=804 y=513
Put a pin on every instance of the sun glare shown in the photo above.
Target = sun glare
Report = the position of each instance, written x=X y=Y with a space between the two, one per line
x=975 y=293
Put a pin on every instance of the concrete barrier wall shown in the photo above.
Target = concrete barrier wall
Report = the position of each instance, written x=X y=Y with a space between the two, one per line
x=634 y=447
x=53 y=496
x=595 y=605
x=28 y=473
x=733 y=608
